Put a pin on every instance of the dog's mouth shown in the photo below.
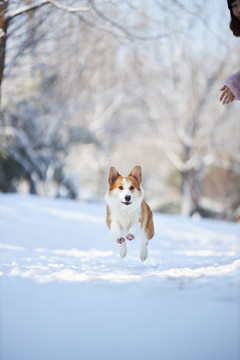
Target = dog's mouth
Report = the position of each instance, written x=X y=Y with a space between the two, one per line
x=126 y=202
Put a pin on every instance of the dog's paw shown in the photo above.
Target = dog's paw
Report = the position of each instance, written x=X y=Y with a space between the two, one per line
x=130 y=237
x=144 y=254
x=120 y=241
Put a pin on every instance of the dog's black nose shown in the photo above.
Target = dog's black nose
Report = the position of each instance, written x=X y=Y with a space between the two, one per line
x=127 y=197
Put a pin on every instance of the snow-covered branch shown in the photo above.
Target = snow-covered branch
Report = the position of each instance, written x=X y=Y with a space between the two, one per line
x=25 y=9
x=67 y=8
x=38 y=4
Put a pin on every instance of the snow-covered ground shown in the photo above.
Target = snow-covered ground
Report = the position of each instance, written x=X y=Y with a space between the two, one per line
x=66 y=294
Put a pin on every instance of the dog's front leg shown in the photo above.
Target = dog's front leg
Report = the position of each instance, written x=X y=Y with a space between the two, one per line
x=134 y=231
x=118 y=235
x=116 y=231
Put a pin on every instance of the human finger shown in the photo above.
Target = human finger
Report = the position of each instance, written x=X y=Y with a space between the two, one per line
x=228 y=98
x=224 y=94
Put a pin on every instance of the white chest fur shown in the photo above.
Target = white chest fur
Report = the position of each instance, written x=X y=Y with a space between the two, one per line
x=124 y=215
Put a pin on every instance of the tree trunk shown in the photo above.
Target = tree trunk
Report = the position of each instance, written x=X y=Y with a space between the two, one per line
x=196 y=190
x=3 y=40
x=186 y=194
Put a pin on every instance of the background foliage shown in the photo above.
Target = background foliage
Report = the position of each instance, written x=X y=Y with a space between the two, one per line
x=120 y=83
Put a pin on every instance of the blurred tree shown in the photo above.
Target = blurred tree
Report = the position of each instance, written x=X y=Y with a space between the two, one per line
x=9 y=11
x=97 y=77
x=26 y=33
x=191 y=126
x=7 y=15
x=39 y=148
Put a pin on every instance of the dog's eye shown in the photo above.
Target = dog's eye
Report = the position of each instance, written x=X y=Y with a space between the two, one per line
x=121 y=187
x=131 y=187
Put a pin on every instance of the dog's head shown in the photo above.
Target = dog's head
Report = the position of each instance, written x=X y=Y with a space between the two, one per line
x=125 y=189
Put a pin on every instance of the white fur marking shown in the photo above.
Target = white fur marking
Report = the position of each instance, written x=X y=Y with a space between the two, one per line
x=123 y=249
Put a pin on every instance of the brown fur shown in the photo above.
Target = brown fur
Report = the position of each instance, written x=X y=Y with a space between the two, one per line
x=109 y=219
x=115 y=180
x=147 y=220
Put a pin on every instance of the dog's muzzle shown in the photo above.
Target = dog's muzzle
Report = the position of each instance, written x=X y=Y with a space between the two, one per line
x=127 y=198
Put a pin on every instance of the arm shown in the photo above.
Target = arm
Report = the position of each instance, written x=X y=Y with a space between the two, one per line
x=231 y=88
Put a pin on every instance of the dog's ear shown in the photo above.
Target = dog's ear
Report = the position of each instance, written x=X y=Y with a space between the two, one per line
x=113 y=175
x=137 y=174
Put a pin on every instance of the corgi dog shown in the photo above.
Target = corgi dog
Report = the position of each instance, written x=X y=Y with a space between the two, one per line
x=128 y=215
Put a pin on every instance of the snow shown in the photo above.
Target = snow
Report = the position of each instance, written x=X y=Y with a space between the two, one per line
x=67 y=294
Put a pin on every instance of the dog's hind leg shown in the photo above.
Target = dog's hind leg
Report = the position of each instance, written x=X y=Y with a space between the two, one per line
x=144 y=247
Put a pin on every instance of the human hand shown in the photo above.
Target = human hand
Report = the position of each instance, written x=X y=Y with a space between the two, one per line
x=227 y=95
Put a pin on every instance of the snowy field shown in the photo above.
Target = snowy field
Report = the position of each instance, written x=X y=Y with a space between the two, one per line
x=67 y=295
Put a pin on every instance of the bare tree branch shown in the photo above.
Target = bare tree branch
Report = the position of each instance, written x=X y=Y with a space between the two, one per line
x=123 y=29
x=25 y=9
x=105 y=29
x=41 y=3
x=67 y=8
x=165 y=144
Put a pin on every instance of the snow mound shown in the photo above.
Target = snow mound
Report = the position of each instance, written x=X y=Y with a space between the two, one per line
x=67 y=294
